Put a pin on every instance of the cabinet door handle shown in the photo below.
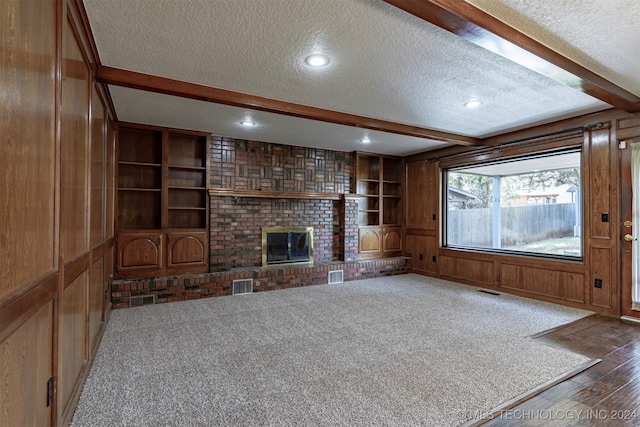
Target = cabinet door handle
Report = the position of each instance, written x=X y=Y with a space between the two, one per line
x=159 y=239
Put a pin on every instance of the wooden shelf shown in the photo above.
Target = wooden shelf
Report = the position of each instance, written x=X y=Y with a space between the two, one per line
x=195 y=168
x=162 y=185
x=379 y=185
x=139 y=164
x=221 y=192
x=138 y=189
x=186 y=208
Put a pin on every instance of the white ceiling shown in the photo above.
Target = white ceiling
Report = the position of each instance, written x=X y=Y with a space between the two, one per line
x=386 y=64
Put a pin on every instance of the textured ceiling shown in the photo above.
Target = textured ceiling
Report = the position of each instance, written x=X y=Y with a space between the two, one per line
x=385 y=64
x=222 y=120
x=603 y=36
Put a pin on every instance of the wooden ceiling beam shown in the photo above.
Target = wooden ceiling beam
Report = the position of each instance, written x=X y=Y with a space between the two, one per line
x=482 y=29
x=135 y=80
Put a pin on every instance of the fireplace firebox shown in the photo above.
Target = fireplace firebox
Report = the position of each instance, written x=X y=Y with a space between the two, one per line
x=282 y=245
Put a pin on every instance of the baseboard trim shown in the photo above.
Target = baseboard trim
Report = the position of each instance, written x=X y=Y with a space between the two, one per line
x=630 y=319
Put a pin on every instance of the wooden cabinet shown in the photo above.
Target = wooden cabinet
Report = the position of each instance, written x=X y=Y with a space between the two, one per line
x=162 y=202
x=379 y=185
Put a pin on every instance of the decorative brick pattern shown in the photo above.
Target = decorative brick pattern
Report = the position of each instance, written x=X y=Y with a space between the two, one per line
x=188 y=287
x=254 y=165
x=350 y=229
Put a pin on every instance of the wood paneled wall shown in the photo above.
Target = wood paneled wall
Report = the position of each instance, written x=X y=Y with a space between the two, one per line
x=421 y=220
x=566 y=282
x=56 y=231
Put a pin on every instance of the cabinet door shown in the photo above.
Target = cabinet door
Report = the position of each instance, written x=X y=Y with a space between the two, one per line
x=187 y=249
x=369 y=240
x=391 y=239
x=140 y=253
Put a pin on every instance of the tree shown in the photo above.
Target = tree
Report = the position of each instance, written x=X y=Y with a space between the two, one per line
x=481 y=185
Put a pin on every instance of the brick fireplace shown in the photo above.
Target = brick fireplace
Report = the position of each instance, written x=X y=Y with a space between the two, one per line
x=254 y=185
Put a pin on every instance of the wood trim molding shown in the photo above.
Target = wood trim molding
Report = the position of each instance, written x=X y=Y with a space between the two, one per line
x=83 y=19
x=482 y=29
x=74 y=268
x=135 y=80
x=18 y=310
x=229 y=192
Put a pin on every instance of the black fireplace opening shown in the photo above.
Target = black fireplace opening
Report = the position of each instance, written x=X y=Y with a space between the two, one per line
x=287 y=246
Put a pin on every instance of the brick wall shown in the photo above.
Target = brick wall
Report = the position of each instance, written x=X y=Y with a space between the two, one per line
x=207 y=285
x=236 y=228
x=254 y=165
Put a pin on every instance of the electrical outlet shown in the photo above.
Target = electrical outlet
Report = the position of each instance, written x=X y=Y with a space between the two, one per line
x=597 y=283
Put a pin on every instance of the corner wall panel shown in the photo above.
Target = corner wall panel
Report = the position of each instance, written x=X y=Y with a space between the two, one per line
x=27 y=120
x=600 y=183
x=72 y=335
x=25 y=368
x=74 y=148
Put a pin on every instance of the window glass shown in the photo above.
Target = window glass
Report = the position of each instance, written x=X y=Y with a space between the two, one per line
x=530 y=205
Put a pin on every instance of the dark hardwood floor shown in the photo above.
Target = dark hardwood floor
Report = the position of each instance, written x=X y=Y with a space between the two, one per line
x=606 y=394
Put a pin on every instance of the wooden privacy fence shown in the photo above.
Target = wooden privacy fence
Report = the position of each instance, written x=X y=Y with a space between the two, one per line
x=518 y=224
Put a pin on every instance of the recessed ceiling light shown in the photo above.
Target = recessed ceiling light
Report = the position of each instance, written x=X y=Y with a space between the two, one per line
x=366 y=140
x=248 y=123
x=317 y=60
x=473 y=103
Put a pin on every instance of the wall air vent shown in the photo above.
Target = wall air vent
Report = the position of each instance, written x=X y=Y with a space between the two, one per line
x=336 y=276
x=242 y=286
x=142 y=300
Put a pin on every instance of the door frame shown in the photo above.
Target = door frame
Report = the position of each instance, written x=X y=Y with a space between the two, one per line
x=625 y=214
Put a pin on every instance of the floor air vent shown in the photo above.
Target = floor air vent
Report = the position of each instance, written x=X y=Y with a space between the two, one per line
x=242 y=286
x=142 y=300
x=488 y=292
x=336 y=276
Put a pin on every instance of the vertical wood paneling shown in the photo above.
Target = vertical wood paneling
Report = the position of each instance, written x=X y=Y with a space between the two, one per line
x=422 y=250
x=44 y=163
x=25 y=368
x=98 y=153
x=600 y=183
x=27 y=149
x=476 y=271
x=110 y=166
x=543 y=281
x=601 y=269
x=73 y=148
x=422 y=195
x=96 y=283
x=72 y=335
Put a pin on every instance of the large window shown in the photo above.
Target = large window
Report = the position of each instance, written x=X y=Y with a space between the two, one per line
x=528 y=205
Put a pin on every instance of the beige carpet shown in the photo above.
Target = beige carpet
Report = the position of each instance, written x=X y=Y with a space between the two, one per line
x=402 y=350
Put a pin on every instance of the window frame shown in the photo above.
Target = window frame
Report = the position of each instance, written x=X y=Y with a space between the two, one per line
x=496 y=158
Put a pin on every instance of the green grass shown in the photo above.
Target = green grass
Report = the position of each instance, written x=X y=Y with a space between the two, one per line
x=558 y=246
